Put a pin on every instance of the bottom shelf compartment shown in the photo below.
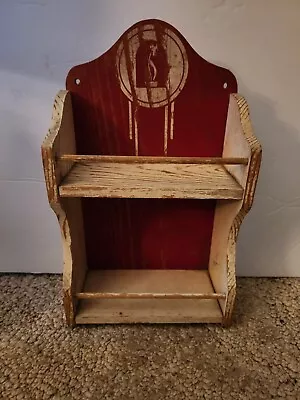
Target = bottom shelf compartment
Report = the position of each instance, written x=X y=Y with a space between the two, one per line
x=148 y=296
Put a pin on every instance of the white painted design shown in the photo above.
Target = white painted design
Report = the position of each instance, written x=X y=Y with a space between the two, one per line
x=172 y=121
x=130 y=120
x=166 y=130
x=166 y=78
x=136 y=138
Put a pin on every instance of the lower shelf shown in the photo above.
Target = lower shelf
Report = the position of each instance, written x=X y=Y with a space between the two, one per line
x=111 y=283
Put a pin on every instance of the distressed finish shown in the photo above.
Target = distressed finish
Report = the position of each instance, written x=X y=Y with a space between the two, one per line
x=240 y=142
x=155 y=311
x=150 y=169
x=154 y=160
x=250 y=182
x=61 y=140
x=161 y=180
x=148 y=284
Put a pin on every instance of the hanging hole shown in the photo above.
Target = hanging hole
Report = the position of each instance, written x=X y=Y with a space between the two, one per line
x=225 y=85
x=77 y=81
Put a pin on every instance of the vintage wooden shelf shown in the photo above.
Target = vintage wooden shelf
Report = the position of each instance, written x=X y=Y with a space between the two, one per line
x=150 y=166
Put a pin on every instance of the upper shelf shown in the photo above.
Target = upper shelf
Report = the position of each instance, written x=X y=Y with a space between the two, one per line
x=150 y=179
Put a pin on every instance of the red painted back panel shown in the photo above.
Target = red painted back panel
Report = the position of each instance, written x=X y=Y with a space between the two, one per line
x=150 y=94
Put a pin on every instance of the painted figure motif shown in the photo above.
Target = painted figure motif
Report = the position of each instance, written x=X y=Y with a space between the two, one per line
x=152 y=66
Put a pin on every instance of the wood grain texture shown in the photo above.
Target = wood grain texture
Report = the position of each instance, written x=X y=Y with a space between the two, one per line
x=154 y=160
x=225 y=214
x=133 y=310
x=255 y=152
x=123 y=180
x=61 y=139
x=113 y=311
x=249 y=193
x=135 y=284
x=150 y=295
x=240 y=142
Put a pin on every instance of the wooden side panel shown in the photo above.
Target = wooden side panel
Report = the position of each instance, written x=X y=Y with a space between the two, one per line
x=255 y=152
x=239 y=142
x=61 y=140
x=226 y=212
x=75 y=268
x=151 y=94
x=252 y=177
x=236 y=143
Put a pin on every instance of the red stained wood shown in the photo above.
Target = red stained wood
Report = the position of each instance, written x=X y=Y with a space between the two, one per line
x=149 y=233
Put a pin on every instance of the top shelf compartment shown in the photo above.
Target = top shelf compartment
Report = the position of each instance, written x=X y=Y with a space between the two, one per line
x=150 y=177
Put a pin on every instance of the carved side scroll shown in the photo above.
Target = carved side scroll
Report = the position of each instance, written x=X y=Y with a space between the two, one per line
x=61 y=140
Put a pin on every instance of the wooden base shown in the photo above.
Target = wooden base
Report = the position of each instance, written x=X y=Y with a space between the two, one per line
x=110 y=311
x=148 y=310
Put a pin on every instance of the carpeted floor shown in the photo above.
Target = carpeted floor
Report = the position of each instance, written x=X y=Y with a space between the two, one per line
x=257 y=358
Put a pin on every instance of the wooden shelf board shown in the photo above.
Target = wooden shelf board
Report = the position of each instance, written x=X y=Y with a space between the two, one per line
x=148 y=310
x=150 y=180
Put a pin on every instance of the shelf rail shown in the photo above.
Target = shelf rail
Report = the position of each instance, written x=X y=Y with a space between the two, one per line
x=100 y=295
x=153 y=160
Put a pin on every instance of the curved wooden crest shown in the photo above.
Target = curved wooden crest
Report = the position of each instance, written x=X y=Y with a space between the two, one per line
x=150 y=94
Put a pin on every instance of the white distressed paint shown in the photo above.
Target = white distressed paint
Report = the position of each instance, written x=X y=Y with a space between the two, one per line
x=172 y=121
x=130 y=119
x=258 y=40
x=166 y=130
x=177 y=62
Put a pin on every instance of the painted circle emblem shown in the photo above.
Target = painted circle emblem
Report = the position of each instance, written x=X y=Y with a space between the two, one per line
x=152 y=66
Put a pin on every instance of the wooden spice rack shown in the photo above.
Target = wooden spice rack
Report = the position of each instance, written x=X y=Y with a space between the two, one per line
x=126 y=295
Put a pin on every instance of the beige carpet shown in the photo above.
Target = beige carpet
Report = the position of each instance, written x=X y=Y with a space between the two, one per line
x=257 y=358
